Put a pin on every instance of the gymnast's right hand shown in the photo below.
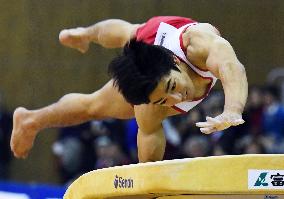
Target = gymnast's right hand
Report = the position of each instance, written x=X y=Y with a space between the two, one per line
x=75 y=38
x=23 y=134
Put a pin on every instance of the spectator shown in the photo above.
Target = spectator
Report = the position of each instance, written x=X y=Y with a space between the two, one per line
x=69 y=157
x=108 y=153
x=173 y=141
x=186 y=127
x=117 y=132
x=254 y=111
x=131 y=139
x=250 y=144
x=273 y=120
x=5 y=133
x=218 y=150
x=69 y=150
x=196 y=146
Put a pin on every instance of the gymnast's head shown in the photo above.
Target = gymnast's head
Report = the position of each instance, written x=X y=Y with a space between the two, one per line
x=147 y=74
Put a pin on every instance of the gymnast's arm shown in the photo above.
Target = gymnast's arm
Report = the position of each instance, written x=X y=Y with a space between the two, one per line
x=224 y=64
x=150 y=139
x=111 y=33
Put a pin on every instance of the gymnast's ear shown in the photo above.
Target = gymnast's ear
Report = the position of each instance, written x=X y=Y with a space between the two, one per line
x=176 y=59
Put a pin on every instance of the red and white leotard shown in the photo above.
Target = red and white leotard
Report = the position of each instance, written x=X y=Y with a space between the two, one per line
x=166 y=31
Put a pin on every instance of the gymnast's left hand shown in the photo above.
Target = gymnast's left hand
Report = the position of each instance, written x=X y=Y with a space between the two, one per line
x=221 y=122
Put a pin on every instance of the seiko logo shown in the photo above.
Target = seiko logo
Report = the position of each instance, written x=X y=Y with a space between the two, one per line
x=162 y=39
x=120 y=182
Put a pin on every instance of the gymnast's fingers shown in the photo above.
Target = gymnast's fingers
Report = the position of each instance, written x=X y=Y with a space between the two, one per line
x=203 y=124
x=208 y=130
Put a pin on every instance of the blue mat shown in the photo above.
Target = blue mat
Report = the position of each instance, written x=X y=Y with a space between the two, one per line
x=33 y=191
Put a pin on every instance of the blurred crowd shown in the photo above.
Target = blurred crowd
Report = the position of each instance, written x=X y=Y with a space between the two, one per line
x=5 y=134
x=101 y=144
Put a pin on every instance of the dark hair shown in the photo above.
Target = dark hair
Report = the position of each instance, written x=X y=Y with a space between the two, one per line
x=139 y=69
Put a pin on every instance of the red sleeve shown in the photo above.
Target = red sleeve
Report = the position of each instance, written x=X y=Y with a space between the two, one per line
x=148 y=31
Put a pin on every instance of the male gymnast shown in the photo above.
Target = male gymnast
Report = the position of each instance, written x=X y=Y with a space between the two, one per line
x=168 y=65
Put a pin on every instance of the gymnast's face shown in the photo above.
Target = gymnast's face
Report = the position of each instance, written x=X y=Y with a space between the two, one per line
x=173 y=88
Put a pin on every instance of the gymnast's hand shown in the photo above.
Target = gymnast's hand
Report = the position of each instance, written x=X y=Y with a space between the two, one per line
x=75 y=38
x=221 y=122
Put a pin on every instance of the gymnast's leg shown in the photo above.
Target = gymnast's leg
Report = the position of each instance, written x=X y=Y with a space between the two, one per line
x=71 y=109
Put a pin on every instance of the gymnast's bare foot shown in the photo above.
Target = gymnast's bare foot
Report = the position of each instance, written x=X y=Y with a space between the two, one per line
x=75 y=38
x=23 y=134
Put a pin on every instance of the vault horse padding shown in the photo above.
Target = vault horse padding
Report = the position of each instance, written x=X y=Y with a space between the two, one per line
x=227 y=177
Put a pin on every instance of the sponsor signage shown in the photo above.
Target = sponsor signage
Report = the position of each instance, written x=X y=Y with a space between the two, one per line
x=123 y=183
x=265 y=179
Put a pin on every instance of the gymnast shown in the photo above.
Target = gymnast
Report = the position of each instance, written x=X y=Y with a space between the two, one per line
x=168 y=65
